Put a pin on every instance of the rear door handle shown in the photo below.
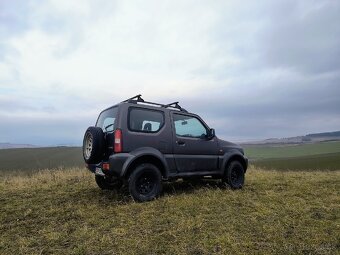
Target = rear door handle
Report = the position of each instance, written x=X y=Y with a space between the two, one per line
x=181 y=143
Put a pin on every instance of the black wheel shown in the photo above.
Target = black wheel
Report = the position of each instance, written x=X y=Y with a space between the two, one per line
x=234 y=175
x=145 y=182
x=108 y=183
x=93 y=145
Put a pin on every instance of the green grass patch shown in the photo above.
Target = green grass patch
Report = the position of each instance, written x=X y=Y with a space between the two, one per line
x=329 y=161
x=29 y=160
x=32 y=159
x=63 y=212
x=288 y=151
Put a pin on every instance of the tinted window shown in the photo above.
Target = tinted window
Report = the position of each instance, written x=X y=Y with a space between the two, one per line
x=107 y=119
x=189 y=126
x=143 y=120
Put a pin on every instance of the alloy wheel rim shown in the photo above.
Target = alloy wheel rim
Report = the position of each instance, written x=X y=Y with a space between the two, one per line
x=88 y=146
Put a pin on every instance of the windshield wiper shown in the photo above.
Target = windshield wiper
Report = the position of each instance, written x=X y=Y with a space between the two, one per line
x=109 y=126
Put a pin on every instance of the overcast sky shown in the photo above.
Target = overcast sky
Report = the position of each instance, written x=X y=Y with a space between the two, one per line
x=251 y=69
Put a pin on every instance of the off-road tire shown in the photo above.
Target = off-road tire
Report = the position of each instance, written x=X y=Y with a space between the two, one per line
x=108 y=183
x=93 y=145
x=145 y=182
x=234 y=175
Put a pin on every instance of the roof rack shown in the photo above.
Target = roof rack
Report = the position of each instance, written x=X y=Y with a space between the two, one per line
x=138 y=99
x=175 y=105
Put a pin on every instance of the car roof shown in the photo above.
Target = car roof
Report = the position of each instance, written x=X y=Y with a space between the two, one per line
x=152 y=107
x=138 y=101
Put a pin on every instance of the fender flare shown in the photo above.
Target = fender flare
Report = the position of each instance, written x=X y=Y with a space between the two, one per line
x=142 y=152
x=234 y=155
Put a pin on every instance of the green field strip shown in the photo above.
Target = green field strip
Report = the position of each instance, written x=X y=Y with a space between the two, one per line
x=40 y=158
x=330 y=161
x=287 y=151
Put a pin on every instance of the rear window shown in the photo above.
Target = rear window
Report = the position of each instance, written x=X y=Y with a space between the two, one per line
x=143 y=120
x=107 y=120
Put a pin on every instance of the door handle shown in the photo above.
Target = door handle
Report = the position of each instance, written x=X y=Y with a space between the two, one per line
x=182 y=143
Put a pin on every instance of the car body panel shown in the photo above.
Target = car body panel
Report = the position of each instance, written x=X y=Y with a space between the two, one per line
x=198 y=156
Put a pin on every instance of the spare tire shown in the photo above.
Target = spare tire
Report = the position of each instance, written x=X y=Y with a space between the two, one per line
x=93 y=145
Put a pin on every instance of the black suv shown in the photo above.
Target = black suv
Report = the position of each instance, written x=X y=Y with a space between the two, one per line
x=143 y=143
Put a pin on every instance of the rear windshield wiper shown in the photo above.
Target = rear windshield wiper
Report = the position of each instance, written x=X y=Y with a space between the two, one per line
x=109 y=126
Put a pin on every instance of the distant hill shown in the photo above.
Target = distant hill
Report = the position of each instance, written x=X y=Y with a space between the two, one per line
x=20 y=146
x=310 y=138
x=15 y=146
x=326 y=134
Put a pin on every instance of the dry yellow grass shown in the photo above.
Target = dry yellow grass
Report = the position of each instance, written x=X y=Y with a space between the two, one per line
x=44 y=178
x=63 y=212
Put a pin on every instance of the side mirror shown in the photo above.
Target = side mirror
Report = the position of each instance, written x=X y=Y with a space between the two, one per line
x=211 y=133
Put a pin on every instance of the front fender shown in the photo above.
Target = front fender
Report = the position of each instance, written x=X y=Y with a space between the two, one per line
x=234 y=155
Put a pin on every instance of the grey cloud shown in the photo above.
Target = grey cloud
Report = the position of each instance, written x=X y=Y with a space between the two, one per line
x=53 y=101
x=11 y=104
x=13 y=17
x=308 y=42
x=285 y=109
x=248 y=129
x=42 y=130
x=301 y=41
x=297 y=35
x=283 y=98
x=272 y=70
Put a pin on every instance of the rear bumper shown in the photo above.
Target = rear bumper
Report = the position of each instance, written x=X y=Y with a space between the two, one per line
x=92 y=167
x=117 y=165
x=97 y=169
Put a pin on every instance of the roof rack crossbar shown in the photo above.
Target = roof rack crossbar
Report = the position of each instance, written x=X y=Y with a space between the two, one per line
x=146 y=102
x=176 y=106
x=139 y=99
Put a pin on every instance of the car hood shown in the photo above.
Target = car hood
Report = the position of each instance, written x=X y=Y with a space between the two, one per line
x=227 y=146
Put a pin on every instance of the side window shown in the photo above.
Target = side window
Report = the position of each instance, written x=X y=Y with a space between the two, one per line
x=189 y=126
x=143 y=120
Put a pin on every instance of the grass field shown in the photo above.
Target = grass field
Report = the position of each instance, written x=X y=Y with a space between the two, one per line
x=63 y=212
x=317 y=156
x=289 y=151
x=289 y=157
x=330 y=161
x=32 y=159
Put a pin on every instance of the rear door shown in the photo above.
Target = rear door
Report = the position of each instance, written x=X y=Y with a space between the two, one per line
x=192 y=150
x=107 y=122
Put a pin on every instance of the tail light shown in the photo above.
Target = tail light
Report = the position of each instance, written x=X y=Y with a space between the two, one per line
x=118 y=141
x=106 y=166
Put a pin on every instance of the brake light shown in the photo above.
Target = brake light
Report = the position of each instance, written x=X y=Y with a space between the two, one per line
x=106 y=166
x=118 y=141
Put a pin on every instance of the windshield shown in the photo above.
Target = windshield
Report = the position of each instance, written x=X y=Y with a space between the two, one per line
x=107 y=120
